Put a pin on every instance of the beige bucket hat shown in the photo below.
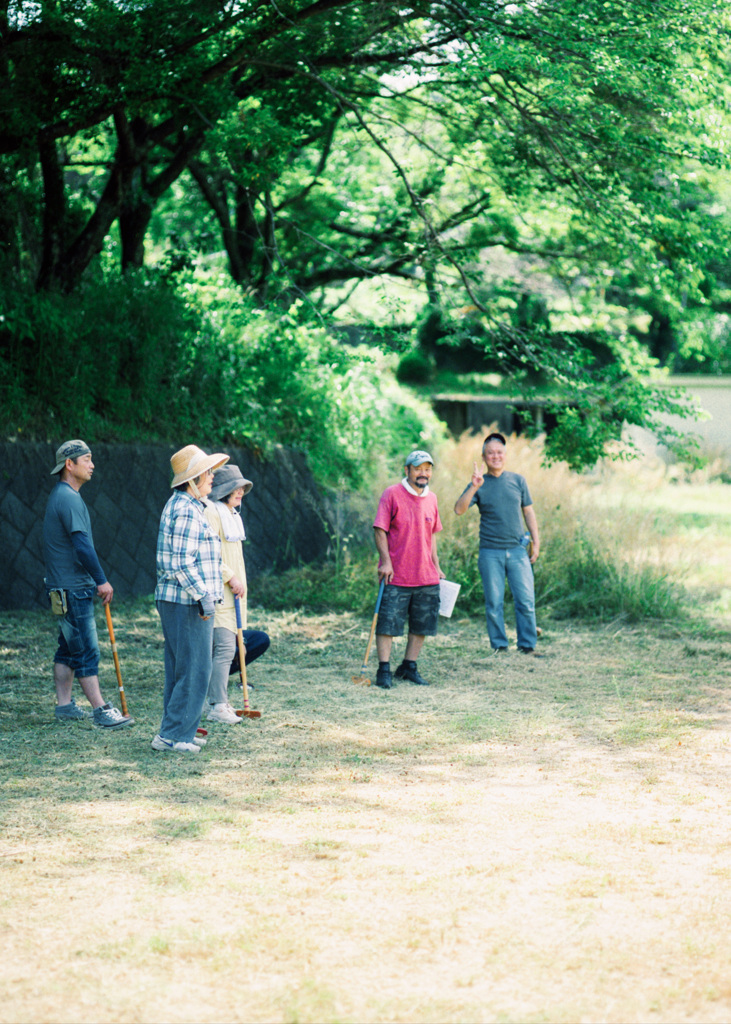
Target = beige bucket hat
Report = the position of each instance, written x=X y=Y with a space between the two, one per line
x=191 y=461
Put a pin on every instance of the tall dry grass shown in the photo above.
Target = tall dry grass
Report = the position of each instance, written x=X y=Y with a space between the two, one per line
x=601 y=557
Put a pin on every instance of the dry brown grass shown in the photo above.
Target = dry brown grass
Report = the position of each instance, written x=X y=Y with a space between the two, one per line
x=629 y=525
x=526 y=840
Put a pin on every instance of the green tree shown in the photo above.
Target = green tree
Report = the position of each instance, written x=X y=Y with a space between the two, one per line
x=341 y=141
x=583 y=98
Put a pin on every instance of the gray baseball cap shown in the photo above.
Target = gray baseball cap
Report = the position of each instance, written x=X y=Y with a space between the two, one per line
x=418 y=457
x=69 y=450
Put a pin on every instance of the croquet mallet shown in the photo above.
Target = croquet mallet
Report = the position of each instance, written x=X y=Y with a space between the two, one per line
x=362 y=679
x=246 y=711
x=120 y=684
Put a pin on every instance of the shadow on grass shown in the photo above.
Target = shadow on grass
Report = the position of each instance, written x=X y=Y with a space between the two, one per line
x=611 y=690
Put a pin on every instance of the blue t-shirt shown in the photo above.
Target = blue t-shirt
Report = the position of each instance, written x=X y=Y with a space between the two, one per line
x=66 y=513
x=500 y=501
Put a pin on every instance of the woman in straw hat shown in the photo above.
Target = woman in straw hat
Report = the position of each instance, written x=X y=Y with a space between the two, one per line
x=188 y=586
x=229 y=487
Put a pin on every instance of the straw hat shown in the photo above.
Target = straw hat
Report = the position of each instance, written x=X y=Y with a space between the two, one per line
x=191 y=461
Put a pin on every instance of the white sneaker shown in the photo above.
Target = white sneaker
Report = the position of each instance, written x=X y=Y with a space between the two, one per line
x=200 y=741
x=159 y=743
x=223 y=713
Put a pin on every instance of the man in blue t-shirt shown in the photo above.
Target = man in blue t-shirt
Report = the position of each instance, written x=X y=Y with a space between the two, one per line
x=73 y=577
x=506 y=509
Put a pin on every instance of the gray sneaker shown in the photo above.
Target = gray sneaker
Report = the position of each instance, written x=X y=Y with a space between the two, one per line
x=70 y=712
x=109 y=718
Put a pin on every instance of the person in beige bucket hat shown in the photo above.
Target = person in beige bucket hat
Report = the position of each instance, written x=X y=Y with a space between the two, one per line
x=190 y=462
x=189 y=585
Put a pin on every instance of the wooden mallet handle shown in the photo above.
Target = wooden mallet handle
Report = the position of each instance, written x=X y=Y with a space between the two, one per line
x=120 y=684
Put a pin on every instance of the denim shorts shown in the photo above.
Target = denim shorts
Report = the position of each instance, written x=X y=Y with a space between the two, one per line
x=419 y=604
x=78 y=644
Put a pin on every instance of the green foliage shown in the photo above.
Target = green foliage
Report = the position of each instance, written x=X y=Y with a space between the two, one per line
x=141 y=359
x=415 y=367
x=353 y=586
x=266 y=379
x=553 y=171
x=106 y=361
x=587 y=582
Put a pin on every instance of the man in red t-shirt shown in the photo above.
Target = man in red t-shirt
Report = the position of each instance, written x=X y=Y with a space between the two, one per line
x=406 y=528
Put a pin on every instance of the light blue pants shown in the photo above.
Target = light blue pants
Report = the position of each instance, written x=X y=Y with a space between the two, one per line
x=225 y=644
x=224 y=648
x=495 y=566
x=188 y=655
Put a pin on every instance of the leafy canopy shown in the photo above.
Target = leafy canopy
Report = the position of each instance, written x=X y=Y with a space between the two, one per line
x=336 y=143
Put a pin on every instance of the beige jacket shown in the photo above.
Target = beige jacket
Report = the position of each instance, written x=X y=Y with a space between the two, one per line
x=232 y=564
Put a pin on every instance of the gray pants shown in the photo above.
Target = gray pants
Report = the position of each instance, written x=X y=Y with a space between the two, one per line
x=188 y=640
x=224 y=648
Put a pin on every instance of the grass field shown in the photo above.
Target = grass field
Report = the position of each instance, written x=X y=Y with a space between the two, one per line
x=526 y=840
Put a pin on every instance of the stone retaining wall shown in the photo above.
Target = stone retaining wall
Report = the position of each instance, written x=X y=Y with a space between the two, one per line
x=284 y=514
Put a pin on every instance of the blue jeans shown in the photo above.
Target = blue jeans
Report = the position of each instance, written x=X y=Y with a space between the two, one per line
x=495 y=566
x=188 y=656
x=78 y=643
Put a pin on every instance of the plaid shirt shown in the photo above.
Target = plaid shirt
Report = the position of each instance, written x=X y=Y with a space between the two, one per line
x=188 y=553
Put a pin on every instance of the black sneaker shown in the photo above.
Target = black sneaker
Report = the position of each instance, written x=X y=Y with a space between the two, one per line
x=384 y=679
x=408 y=670
x=532 y=651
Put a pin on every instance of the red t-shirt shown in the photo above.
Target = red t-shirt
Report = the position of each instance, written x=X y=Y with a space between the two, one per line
x=410 y=521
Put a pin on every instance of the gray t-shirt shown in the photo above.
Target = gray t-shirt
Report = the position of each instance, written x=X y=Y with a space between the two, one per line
x=66 y=513
x=500 y=501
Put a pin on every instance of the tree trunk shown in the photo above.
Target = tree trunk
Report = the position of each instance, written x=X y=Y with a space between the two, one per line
x=63 y=266
x=90 y=241
x=54 y=212
x=246 y=232
x=134 y=220
x=138 y=204
x=239 y=236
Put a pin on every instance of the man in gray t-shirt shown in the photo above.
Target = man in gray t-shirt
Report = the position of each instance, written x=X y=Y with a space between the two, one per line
x=506 y=510
x=73 y=578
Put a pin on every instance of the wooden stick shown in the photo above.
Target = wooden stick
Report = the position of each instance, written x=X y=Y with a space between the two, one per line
x=247 y=711
x=120 y=684
x=362 y=679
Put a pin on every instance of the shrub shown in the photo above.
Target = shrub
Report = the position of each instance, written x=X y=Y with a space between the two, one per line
x=105 y=361
x=135 y=358
x=415 y=367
